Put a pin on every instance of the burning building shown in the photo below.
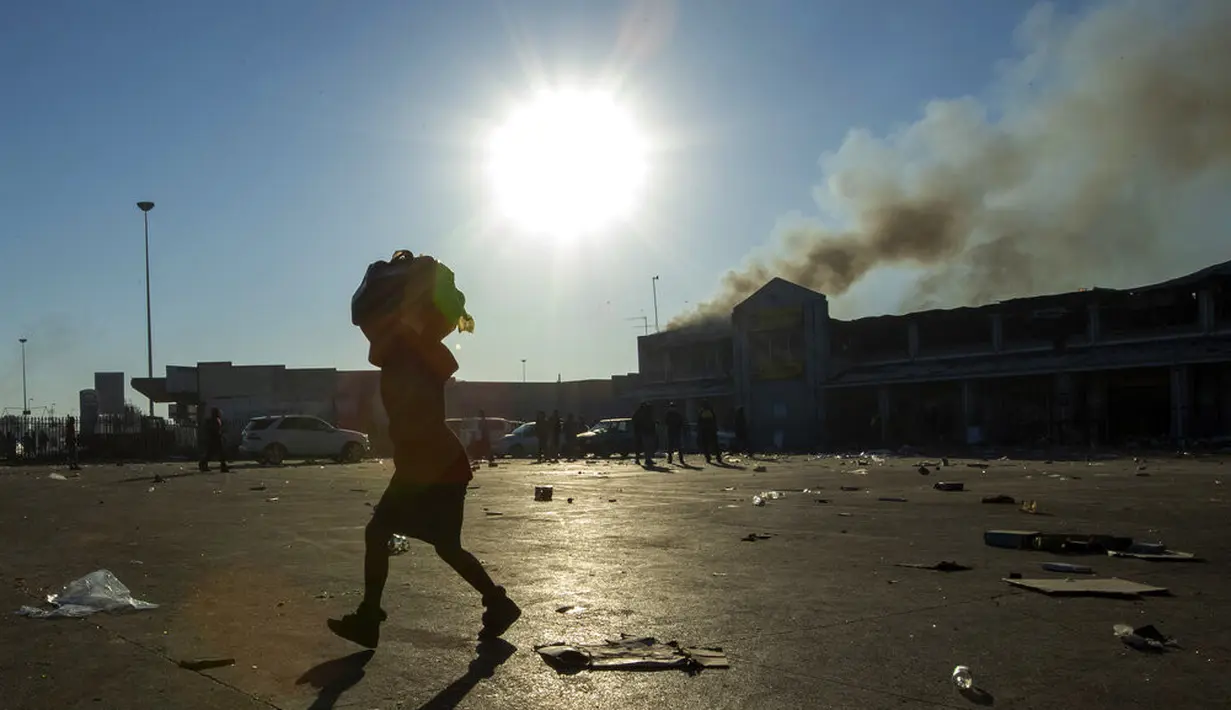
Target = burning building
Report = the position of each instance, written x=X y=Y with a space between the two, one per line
x=1150 y=364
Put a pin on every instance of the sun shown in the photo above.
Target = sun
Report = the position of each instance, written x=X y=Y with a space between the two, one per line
x=567 y=163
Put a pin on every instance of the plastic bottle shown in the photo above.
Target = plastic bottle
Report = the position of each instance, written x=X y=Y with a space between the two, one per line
x=962 y=678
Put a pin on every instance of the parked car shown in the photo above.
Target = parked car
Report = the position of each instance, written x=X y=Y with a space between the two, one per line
x=522 y=441
x=609 y=436
x=274 y=439
x=467 y=431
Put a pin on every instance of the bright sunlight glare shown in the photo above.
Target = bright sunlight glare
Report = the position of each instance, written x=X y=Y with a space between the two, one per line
x=567 y=163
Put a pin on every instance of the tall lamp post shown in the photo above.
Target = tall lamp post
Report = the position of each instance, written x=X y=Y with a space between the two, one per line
x=654 y=285
x=145 y=208
x=25 y=402
x=523 y=369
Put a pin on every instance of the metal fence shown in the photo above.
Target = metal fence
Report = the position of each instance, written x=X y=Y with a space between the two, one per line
x=43 y=439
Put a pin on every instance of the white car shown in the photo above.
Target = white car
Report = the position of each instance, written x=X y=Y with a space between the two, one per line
x=522 y=441
x=273 y=439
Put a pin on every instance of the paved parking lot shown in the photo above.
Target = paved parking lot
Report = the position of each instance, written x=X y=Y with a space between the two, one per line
x=815 y=616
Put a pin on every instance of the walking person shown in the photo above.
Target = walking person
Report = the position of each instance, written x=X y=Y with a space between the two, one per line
x=70 y=443
x=643 y=434
x=675 y=432
x=540 y=433
x=406 y=307
x=214 y=445
x=707 y=432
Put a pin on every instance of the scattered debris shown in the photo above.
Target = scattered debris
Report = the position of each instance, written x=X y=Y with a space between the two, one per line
x=892 y=499
x=570 y=500
x=97 y=591
x=1067 y=568
x=949 y=486
x=1143 y=474
x=1106 y=587
x=159 y=479
x=1010 y=539
x=205 y=664
x=822 y=500
x=570 y=609
x=942 y=566
x=258 y=487
x=923 y=471
x=999 y=499
x=1030 y=506
x=758 y=501
x=729 y=488
x=358 y=490
x=611 y=500
x=976 y=465
x=845 y=515
x=851 y=489
x=1154 y=553
x=631 y=653
x=944 y=460
x=493 y=513
x=859 y=471
x=273 y=499
x=542 y=494
x=1144 y=638
x=759 y=469
x=57 y=477
x=753 y=537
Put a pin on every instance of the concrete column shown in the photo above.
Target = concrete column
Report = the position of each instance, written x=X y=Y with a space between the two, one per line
x=882 y=411
x=1206 y=311
x=997 y=333
x=912 y=340
x=1181 y=402
x=969 y=415
x=1093 y=327
x=1063 y=410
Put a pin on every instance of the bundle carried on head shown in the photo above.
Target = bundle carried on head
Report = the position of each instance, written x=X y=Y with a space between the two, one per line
x=408 y=291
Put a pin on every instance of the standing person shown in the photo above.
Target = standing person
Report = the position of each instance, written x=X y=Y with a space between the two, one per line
x=675 y=432
x=485 y=440
x=570 y=437
x=741 y=432
x=540 y=433
x=214 y=445
x=707 y=432
x=70 y=442
x=406 y=307
x=643 y=433
x=553 y=435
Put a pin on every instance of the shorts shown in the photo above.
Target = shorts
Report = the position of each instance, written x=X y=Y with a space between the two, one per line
x=431 y=512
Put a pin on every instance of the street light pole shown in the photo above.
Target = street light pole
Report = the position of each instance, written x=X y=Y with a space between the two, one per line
x=523 y=370
x=145 y=208
x=25 y=402
x=654 y=285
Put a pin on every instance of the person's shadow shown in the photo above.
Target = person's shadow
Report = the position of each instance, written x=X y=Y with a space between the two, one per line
x=332 y=678
x=489 y=655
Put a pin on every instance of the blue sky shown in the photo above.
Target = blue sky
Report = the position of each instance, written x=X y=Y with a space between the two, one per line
x=289 y=143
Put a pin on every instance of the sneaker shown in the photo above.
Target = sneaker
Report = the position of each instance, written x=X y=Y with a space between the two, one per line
x=500 y=613
x=362 y=627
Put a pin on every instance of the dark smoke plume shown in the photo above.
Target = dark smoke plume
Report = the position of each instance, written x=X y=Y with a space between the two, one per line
x=1106 y=161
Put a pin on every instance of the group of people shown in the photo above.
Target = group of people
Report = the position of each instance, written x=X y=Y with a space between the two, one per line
x=645 y=433
x=38 y=445
x=557 y=438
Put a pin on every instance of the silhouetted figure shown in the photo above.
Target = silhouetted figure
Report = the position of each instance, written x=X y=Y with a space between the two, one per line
x=540 y=433
x=741 y=432
x=553 y=434
x=643 y=434
x=571 y=430
x=406 y=307
x=214 y=448
x=70 y=443
x=707 y=433
x=675 y=432
x=485 y=439
x=43 y=440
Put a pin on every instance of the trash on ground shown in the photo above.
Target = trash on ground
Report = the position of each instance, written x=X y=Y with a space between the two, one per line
x=570 y=500
x=1030 y=506
x=729 y=488
x=97 y=591
x=1010 y=539
x=159 y=479
x=273 y=499
x=858 y=471
x=1098 y=586
x=259 y=487
x=845 y=515
x=949 y=486
x=758 y=501
x=205 y=664
x=999 y=500
x=1154 y=553
x=942 y=566
x=753 y=537
x=1056 y=543
x=1144 y=638
x=850 y=489
x=542 y=494
x=822 y=500
x=630 y=653
x=892 y=499
x=570 y=609
x=57 y=477
x=976 y=465
x=923 y=471
x=962 y=678
x=759 y=469
x=1067 y=568
x=611 y=500
x=399 y=544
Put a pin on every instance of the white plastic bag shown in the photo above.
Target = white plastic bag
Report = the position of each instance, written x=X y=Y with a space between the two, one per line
x=95 y=592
